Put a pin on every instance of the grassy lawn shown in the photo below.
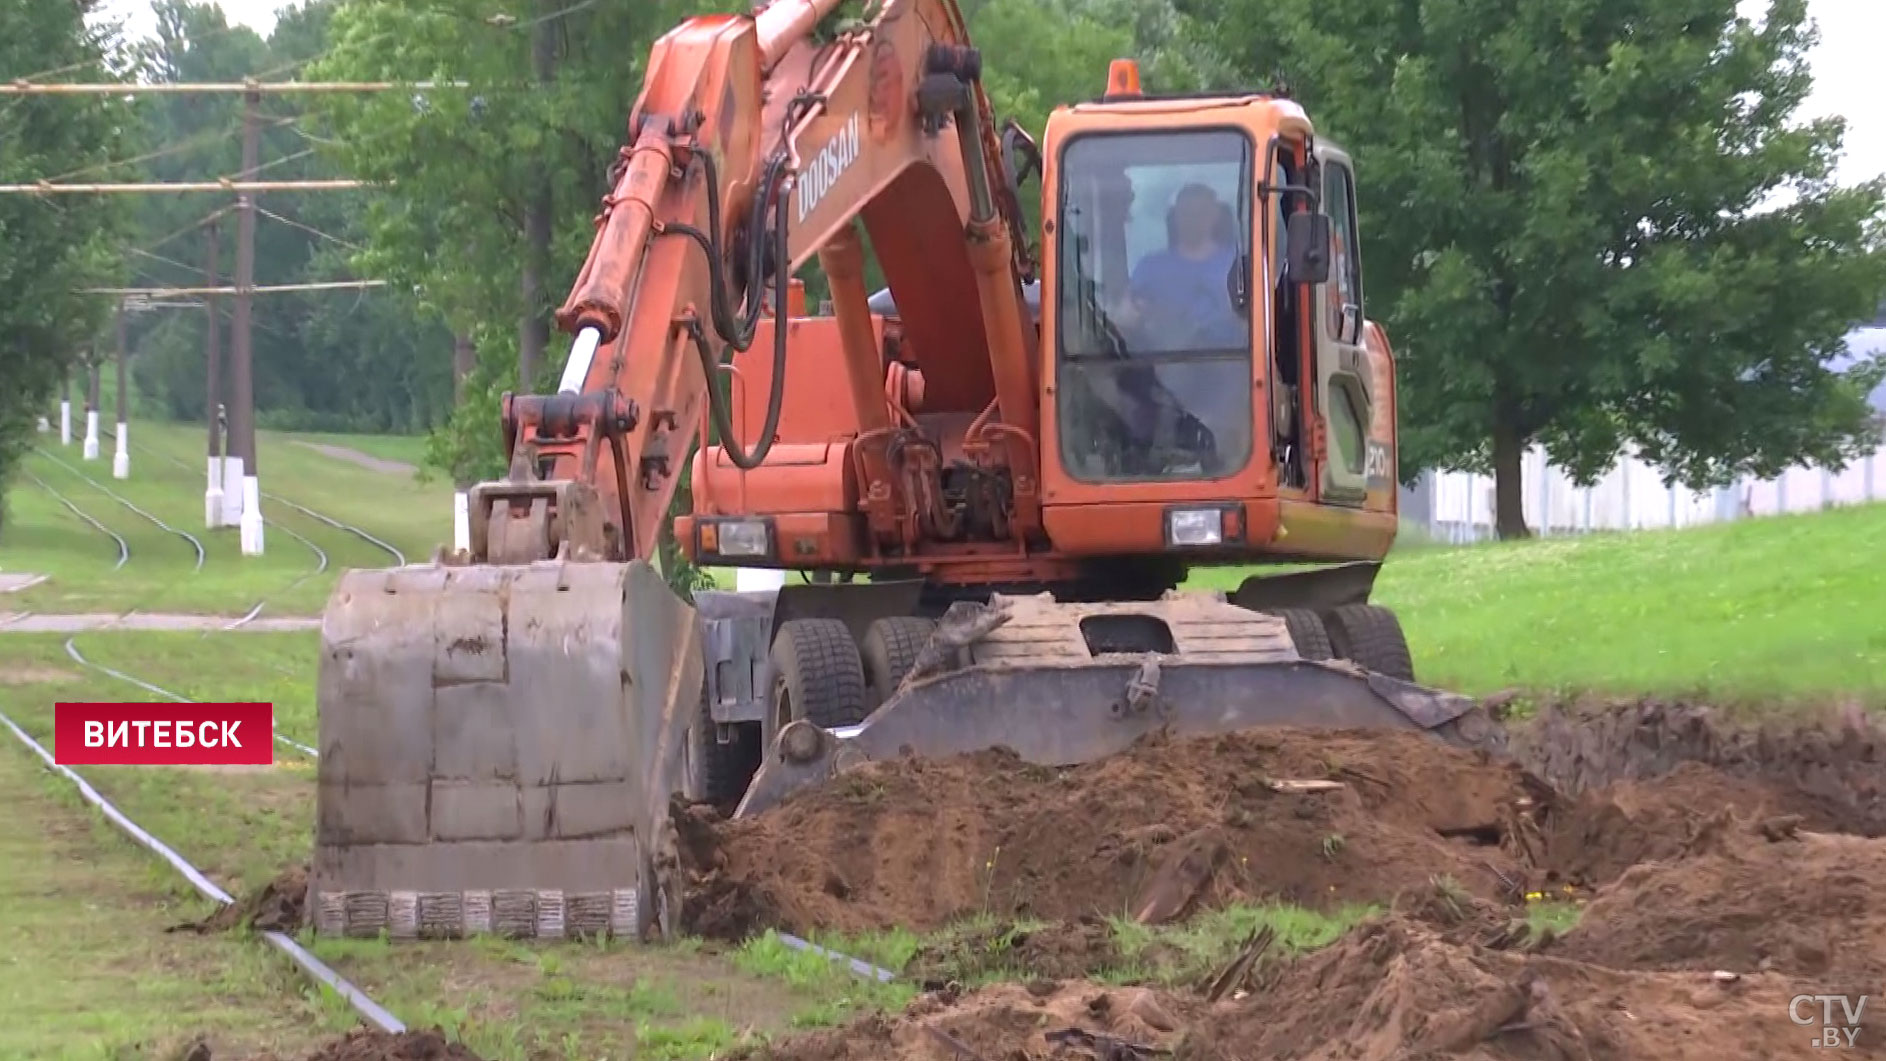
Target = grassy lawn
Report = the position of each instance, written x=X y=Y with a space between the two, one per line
x=1779 y=607
x=88 y=970
x=167 y=480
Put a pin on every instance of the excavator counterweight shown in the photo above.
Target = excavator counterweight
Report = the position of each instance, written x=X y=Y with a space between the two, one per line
x=995 y=473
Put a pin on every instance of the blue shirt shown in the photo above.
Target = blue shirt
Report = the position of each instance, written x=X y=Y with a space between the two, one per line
x=1181 y=294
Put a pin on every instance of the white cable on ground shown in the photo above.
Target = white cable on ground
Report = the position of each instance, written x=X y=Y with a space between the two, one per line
x=72 y=650
x=864 y=970
x=363 y=1005
x=399 y=558
x=100 y=487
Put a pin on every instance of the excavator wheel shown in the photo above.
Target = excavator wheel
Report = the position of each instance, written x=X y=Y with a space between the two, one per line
x=1308 y=632
x=817 y=677
x=890 y=649
x=1370 y=635
x=724 y=769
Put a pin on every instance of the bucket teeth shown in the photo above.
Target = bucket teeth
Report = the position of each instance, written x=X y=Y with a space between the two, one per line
x=497 y=748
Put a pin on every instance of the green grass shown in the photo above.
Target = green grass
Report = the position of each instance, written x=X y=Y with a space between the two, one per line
x=88 y=970
x=43 y=536
x=1775 y=608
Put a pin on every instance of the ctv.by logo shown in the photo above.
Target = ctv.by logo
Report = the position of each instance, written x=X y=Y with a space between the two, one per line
x=1800 y=1011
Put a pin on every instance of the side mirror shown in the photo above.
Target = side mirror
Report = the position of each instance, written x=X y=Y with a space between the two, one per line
x=1307 y=247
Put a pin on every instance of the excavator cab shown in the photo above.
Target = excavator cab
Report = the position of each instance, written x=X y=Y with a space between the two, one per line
x=995 y=475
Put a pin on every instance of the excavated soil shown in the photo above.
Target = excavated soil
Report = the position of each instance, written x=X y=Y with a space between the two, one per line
x=1765 y=897
x=1156 y=833
x=1174 y=826
x=277 y=906
x=1729 y=868
x=364 y=1045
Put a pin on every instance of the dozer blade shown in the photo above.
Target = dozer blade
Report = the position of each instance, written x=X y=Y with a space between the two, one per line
x=1061 y=684
x=497 y=749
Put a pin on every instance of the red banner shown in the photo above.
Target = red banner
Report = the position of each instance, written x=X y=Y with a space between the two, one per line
x=163 y=734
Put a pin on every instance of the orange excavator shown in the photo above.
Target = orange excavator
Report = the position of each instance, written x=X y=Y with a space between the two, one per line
x=993 y=474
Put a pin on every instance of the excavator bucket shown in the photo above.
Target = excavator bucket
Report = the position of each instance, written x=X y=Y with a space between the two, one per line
x=1061 y=684
x=497 y=749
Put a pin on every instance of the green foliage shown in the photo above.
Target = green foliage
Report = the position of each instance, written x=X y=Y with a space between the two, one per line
x=1570 y=226
x=50 y=248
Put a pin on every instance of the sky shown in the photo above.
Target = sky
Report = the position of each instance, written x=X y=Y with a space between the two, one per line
x=1845 y=78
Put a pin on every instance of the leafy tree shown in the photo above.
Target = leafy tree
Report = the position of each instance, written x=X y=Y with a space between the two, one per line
x=49 y=248
x=1570 y=227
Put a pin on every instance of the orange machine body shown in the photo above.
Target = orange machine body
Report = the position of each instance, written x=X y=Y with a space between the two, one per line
x=1322 y=498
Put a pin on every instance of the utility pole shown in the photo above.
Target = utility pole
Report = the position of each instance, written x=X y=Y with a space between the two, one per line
x=90 y=452
x=121 y=457
x=213 y=502
x=464 y=359
x=533 y=329
x=241 y=379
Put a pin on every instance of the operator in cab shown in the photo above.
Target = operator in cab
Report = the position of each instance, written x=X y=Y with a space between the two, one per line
x=1179 y=298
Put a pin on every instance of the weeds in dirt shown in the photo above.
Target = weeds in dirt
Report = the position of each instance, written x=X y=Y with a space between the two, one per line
x=1333 y=845
x=1181 y=953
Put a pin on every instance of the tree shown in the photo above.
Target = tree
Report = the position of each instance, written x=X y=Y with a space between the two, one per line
x=1592 y=225
x=49 y=249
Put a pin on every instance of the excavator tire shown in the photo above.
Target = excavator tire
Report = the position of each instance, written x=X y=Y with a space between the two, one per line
x=1308 y=632
x=889 y=651
x=1370 y=635
x=725 y=768
x=817 y=676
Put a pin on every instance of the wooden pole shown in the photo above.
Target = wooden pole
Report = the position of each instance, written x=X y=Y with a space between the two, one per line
x=114 y=88
x=50 y=188
x=213 y=501
x=241 y=380
x=121 y=452
x=266 y=289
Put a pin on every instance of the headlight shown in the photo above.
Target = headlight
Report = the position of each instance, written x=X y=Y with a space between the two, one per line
x=1195 y=526
x=736 y=537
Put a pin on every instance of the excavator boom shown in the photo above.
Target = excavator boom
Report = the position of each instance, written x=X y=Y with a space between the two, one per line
x=500 y=733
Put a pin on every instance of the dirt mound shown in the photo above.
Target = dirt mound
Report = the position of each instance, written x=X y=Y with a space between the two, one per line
x=1168 y=827
x=363 y=1045
x=1828 y=767
x=1391 y=989
x=1396 y=989
x=278 y=906
x=1809 y=905
x=1009 y=1021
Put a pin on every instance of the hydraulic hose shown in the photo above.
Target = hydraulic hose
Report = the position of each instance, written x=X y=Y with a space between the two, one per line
x=737 y=329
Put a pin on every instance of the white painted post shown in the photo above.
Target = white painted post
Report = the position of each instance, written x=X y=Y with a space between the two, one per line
x=90 y=452
x=232 y=491
x=1671 y=490
x=65 y=421
x=213 y=493
x=1587 y=523
x=251 y=516
x=461 y=521
x=1545 y=497
x=1827 y=488
x=121 y=458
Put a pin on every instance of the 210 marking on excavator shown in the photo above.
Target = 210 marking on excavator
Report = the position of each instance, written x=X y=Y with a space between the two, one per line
x=827 y=166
